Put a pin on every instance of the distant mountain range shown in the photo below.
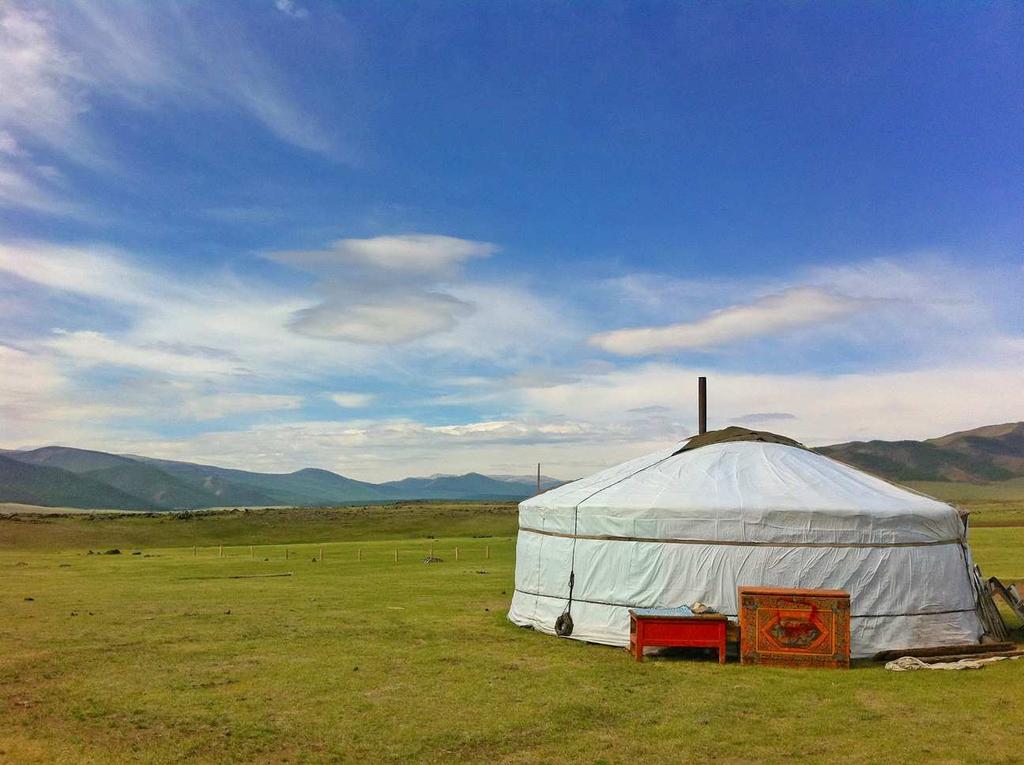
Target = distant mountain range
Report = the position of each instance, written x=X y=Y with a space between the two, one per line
x=987 y=454
x=59 y=476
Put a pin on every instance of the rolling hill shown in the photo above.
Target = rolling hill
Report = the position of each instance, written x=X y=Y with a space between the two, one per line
x=54 y=487
x=305 y=487
x=983 y=455
x=468 y=486
x=58 y=476
x=67 y=458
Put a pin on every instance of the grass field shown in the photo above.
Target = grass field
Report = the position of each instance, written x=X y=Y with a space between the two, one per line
x=157 y=657
x=990 y=504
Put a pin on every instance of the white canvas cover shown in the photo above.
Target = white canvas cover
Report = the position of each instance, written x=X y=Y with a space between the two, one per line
x=672 y=527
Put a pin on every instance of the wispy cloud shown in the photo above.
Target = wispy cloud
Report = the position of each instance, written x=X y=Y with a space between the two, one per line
x=94 y=271
x=218 y=406
x=42 y=401
x=45 y=83
x=88 y=347
x=152 y=319
x=58 y=60
x=31 y=185
x=512 y=326
x=40 y=405
x=766 y=316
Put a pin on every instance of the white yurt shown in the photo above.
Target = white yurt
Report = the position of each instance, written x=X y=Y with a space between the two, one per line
x=739 y=507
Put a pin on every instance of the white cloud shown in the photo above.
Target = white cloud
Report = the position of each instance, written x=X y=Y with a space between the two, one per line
x=386 y=290
x=417 y=255
x=769 y=315
x=291 y=8
x=394 y=318
x=352 y=400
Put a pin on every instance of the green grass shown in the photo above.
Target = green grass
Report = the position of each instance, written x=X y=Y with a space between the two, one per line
x=392 y=521
x=990 y=504
x=156 y=658
x=1001 y=491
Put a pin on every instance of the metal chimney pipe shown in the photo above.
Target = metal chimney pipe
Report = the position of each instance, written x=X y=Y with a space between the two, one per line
x=702 y=405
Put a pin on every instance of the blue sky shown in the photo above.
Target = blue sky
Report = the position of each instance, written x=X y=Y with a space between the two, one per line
x=407 y=238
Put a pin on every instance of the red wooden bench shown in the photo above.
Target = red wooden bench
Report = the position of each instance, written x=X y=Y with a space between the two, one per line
x=670 y=627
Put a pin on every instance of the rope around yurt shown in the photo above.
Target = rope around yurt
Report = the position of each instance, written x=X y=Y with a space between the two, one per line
x=563 y=624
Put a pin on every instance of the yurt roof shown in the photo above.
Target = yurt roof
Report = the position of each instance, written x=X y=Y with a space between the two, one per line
x=735 y=433
x=735 y=470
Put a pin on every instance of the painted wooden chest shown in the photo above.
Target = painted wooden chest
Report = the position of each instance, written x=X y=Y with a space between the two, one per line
x=794 y=628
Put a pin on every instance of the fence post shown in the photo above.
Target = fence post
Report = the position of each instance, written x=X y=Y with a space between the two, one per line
x=359 y=554
x=396 y=555
x=487 y=552
x=321 y=555
x=222 y=551
x=456 y=553
x=194 y=551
